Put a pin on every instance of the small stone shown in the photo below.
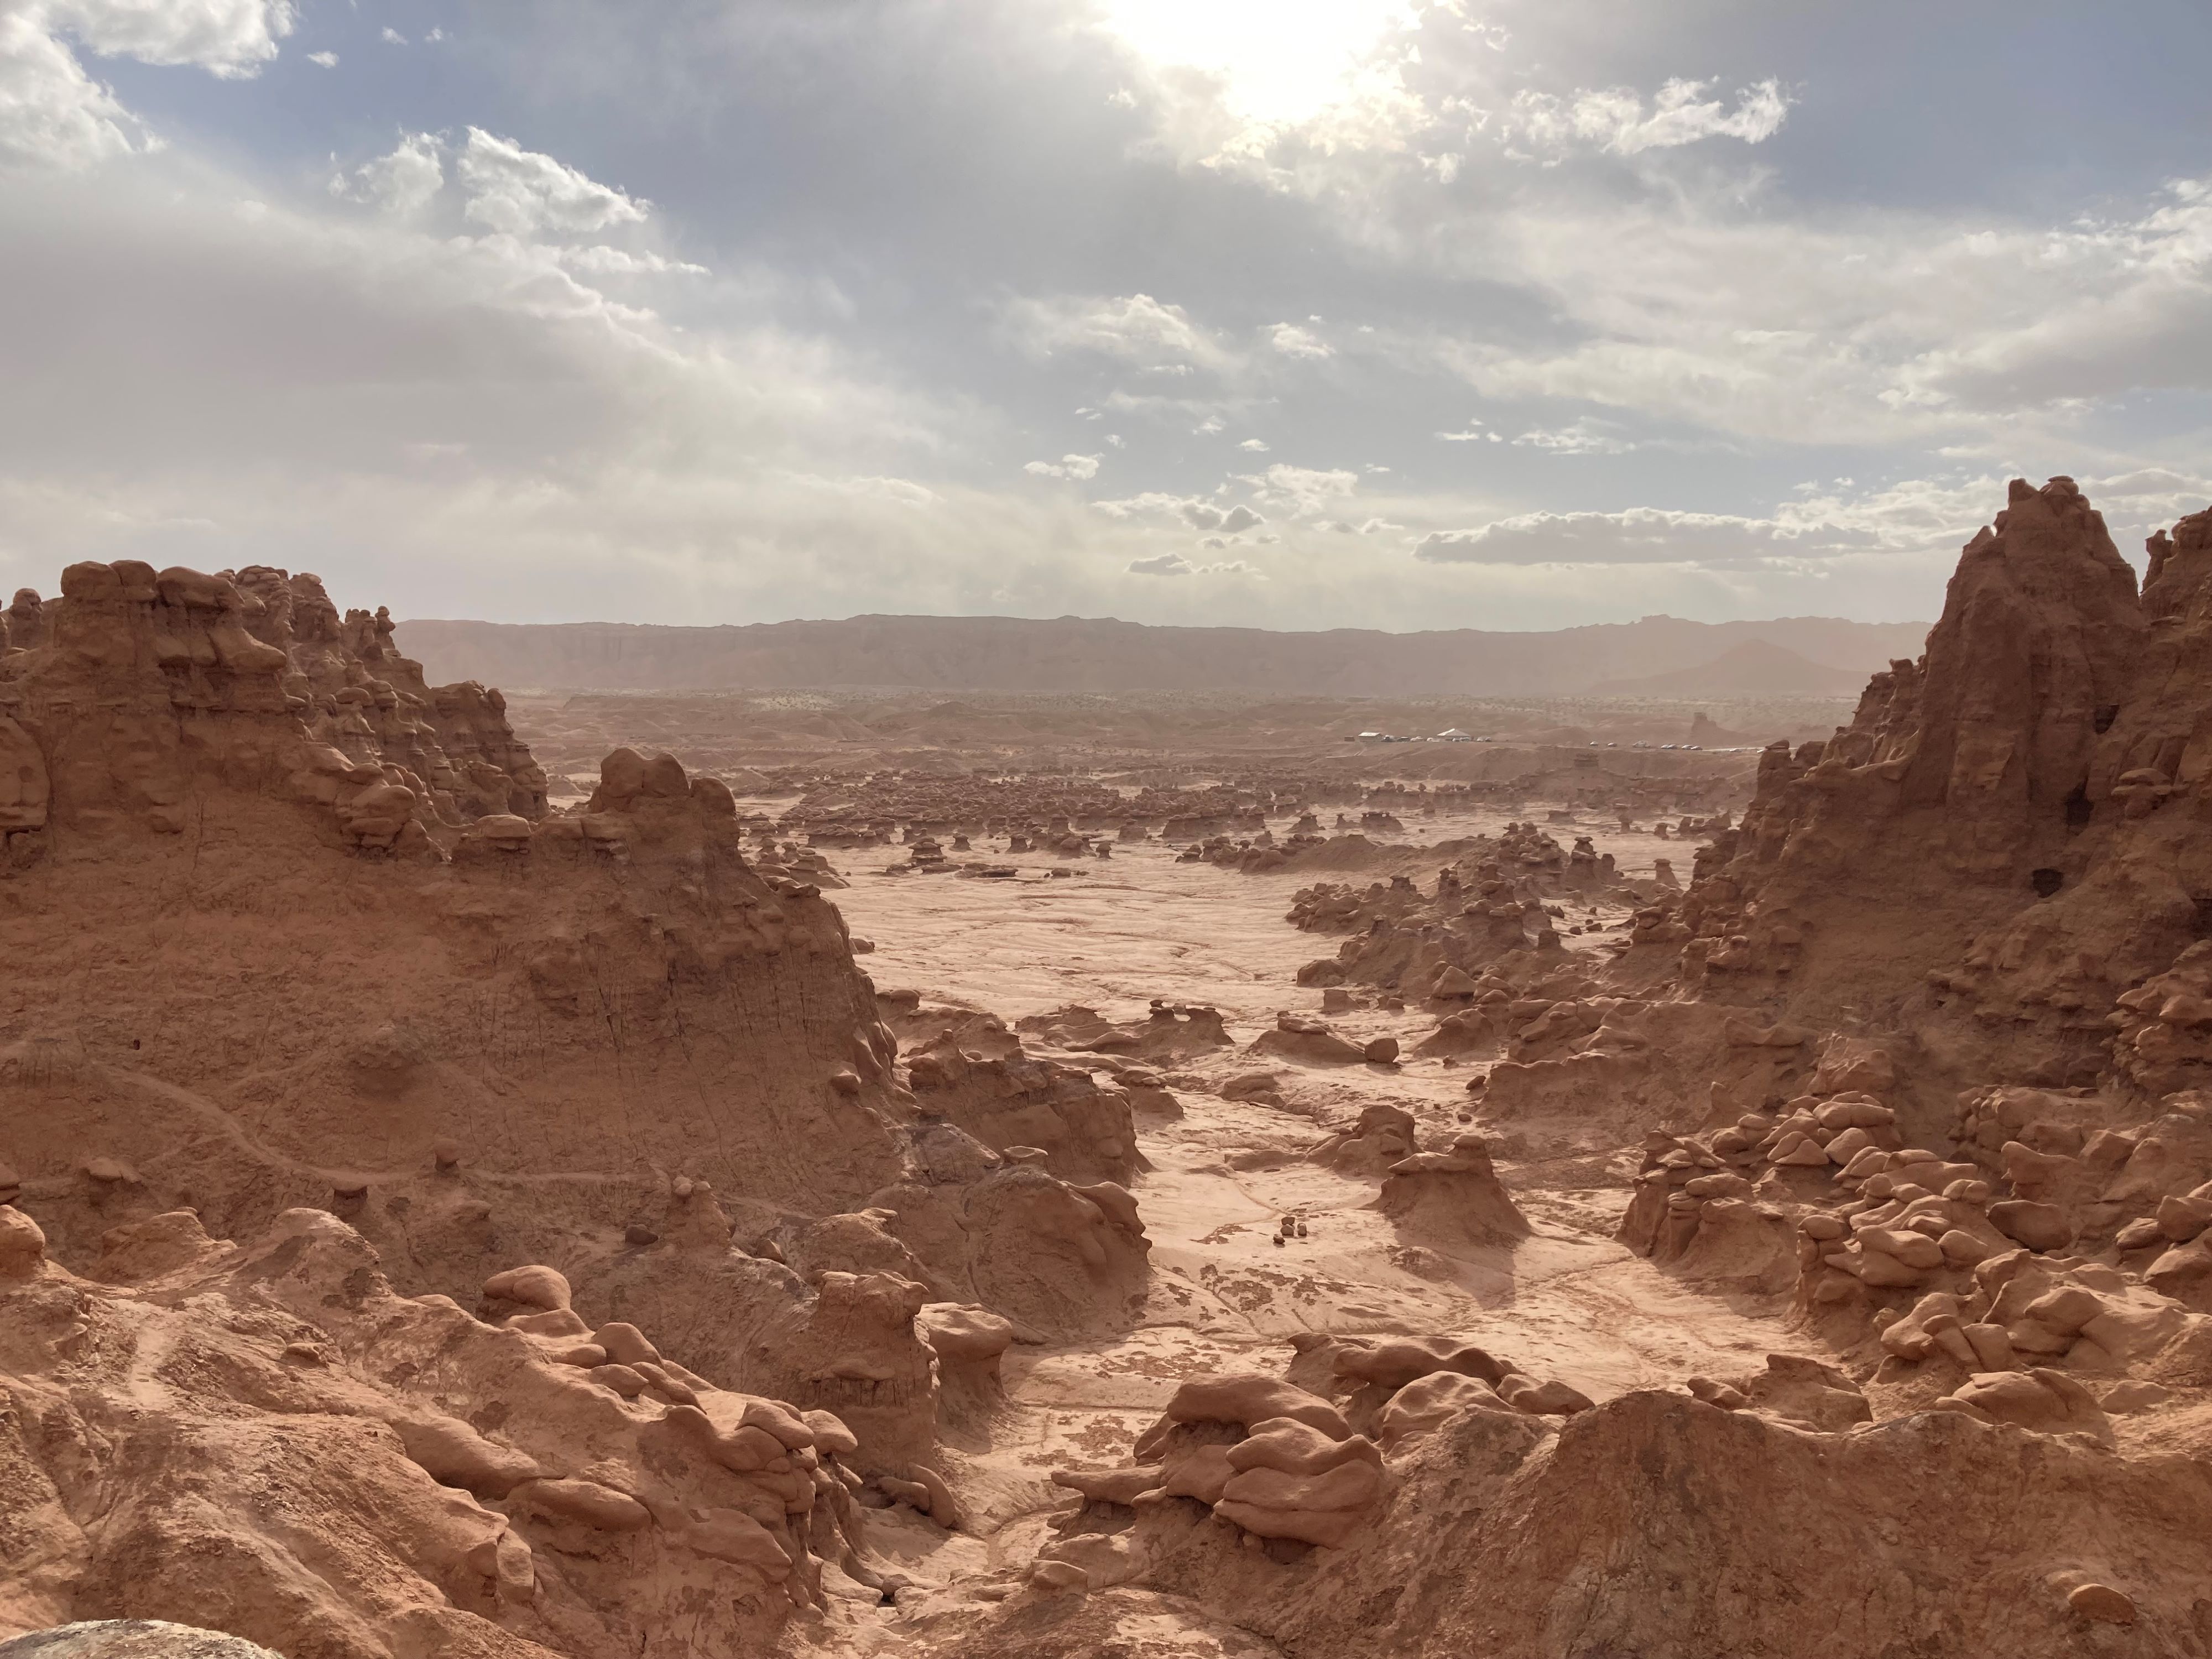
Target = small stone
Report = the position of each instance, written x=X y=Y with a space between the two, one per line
x=1059 y=1575
x=1961 y=1248
x=2134 y=1396
x=2102 y=1604
x=22 y=1245
x=2041 y=1227
x=2140 y=1234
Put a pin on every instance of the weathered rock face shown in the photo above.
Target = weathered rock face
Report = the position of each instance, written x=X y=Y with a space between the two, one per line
x=135 y=692
x=1453 y=1194
x=267 y=1440
x=1492 y=905
x=1739 y=1507
x=1733 y=1527
x=2038 y=643
x=616 y=996
x=2004 y=839
x=298 y=956
x=516 y=986
x=131 y=1639
x=1954 y=797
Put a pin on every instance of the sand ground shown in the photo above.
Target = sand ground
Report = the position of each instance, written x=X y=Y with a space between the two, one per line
x=1568 y=1302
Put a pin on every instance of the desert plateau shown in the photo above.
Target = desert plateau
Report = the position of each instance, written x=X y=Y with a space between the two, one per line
x=1054 y=1177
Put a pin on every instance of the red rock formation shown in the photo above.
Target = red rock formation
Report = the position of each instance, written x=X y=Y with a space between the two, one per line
x=291 y=934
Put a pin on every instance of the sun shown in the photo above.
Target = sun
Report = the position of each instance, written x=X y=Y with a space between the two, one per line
x=1279 y=60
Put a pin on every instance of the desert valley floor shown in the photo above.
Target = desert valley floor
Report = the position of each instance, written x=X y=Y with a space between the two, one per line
x=1143 y=926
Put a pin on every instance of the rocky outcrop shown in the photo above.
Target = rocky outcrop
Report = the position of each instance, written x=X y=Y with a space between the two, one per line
x=375 y=1474
x=140 y=692
x=1453 y=1196
x=1964 y=849
x=1765 y=1508
x=297 y=936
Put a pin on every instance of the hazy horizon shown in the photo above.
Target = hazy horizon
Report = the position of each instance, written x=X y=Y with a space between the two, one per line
x=1070 y=616
x=1206 y=312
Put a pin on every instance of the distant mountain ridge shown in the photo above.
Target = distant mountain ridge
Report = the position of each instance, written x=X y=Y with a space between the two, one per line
x=1749 y=668
x=1074 y=654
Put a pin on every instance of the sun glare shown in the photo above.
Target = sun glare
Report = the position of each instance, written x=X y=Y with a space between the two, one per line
x=1280 y=60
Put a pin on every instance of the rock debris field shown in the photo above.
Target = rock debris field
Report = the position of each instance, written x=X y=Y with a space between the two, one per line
x=1015 y=1206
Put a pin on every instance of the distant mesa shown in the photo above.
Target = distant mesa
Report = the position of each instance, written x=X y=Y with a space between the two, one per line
x=1792 y=655
x=1752 y=668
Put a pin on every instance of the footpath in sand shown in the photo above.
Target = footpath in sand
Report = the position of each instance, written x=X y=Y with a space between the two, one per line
x=1567 y=1302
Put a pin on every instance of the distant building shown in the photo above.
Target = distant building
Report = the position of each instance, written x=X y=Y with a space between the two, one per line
x=1371 y=737
x=1454 y=736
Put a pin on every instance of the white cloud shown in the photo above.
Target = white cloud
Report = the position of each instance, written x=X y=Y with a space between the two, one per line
x=1195 y=511
x=1302 y=491
x=522 y=192
x=1293 y=340
x=1174 y=564
x=1204 y=515
x=53 y=114
x=599 y=260
x=1820 y=524
x=904 y=491
x=1133 y=506
x=327 y=59
x=228 y=38
x=1135 y=329
x=1077 y=467
x=1256 y=445
x=1588 y=436
x=51 y=111
x=392 y=37
x=450 y=423
x=401 y=182
x=1615 y=119
x=1872 y=327
x=1640 y=535
x=1264 y=64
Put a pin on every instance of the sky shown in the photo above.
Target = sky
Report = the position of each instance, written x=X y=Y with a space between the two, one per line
x=1285 y=313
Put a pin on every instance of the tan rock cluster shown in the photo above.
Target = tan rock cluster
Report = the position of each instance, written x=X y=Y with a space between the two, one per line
x=137 y=690
x=374 y=1471
x=1495 y=901
x=1453 y=1195
x=1281 y=1463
